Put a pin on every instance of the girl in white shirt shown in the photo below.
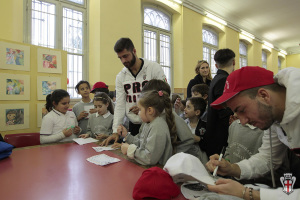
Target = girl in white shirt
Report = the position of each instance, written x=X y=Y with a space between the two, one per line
x=59 y=125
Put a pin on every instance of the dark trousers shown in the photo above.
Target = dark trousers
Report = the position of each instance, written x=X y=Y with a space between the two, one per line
x=134 y=128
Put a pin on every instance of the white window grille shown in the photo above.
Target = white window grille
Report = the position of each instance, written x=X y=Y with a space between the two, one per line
x=264 y=59
x=243 y=54
x=210 y=47
x=279 y=64
x=61 y=24
x=157 y=39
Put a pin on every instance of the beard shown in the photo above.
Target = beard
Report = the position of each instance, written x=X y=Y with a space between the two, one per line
x=130 y=63
x=266 y=115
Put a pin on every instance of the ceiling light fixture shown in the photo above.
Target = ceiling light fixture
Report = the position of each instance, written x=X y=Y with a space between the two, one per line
x=247 y=34
x=178 y=1
x=283 y=52
x=217 y=19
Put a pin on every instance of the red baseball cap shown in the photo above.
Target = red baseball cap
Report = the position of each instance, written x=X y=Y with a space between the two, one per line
x=99 y=85
x=243 y=79
x=155 y=183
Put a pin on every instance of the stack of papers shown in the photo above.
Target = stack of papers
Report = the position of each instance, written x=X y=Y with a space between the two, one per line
x=82 y=141
x=99 y=149
x=102 y=159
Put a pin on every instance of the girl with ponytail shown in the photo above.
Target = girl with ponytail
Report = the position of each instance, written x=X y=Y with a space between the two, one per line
x=157 y=137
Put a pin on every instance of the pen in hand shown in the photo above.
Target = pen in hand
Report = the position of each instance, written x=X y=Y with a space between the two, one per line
x=220 y=158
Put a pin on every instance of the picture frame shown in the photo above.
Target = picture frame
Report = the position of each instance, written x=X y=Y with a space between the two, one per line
x=49 y=61
x=14 y=56
x=14 y=86
x=14 y=116
x=41 y=112
x=46 y=85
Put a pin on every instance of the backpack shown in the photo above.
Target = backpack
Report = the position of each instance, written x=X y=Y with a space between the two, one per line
x=5 y=149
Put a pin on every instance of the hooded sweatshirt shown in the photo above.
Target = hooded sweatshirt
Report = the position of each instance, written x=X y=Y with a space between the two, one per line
x=284 y=135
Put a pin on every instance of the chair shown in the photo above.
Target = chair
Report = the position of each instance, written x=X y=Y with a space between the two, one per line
x=23 y=139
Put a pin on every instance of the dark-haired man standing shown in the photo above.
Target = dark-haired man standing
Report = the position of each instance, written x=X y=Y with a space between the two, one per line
x=129 y=83
x=218 y=120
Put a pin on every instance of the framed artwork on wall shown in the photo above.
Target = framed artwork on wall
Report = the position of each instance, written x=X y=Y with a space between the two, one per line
x=41 y=112
x=14 y=87
x=14 y=116
x=14 y=56
x=49 y=61
x=46 y=85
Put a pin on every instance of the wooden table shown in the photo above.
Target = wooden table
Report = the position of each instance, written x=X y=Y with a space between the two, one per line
x=61 y=172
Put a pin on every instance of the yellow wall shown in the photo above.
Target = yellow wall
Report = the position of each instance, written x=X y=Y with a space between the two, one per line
x=293 y=60
x=11 y=23
x=109 y=21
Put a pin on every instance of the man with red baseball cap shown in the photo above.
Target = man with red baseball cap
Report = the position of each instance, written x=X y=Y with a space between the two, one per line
x=267 y=103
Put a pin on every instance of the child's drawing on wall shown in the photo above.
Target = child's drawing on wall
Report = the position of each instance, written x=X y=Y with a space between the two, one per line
x=48 y=87
x=14 y=87
x=14 y=56
x=49 y=61
x=14 y=116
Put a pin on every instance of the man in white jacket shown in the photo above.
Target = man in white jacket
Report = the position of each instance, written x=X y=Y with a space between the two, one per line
x=271 y=104
x=129 y=83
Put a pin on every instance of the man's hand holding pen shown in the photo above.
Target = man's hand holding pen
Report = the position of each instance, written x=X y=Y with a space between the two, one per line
x=134 y=109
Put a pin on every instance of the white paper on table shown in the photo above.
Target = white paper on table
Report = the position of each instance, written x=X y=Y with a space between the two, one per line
x=82 y=141
x=102 y=159
x=87 y=109
x=99 y=149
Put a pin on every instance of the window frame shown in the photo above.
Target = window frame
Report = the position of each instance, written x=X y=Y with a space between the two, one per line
x=264 y=63
x=158 y=32
x=58 y=40
x=242 y=56
x=211 y=48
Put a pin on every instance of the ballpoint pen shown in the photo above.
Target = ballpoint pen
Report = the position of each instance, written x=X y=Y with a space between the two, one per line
x=220 y=158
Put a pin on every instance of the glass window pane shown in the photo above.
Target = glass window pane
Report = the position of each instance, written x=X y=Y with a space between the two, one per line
x=156 y=18
x=72 y=31
x=165 y=50
x=74 y=73
x=212 y=62
x=150 y=45
x=167 y=72
x=43 y=24
x=243 y=48
x=78 y=1
x=210 y=37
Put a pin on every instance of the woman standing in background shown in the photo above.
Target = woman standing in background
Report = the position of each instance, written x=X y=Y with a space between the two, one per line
x=203 y=76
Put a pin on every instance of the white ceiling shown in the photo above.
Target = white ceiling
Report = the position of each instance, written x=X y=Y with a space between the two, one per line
x=276 y=21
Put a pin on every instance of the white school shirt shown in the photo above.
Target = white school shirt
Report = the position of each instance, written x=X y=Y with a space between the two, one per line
x=55 y=122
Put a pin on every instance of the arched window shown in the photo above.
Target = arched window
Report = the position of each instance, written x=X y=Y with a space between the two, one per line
x=264 y=59
x=243 y=54
x=157 y=39
x=210 y=47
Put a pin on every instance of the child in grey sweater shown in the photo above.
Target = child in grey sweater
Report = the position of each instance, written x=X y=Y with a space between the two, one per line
x=100 y=123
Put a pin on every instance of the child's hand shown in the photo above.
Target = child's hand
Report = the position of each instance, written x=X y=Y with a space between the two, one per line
x=84 y=135
x=93 y=110
x=116 y=145
x=76 y=130
x=82 y=115
x=177 y=105
x=122 y=131
x=101 y=136
x=124 y=148
x=67 y=132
